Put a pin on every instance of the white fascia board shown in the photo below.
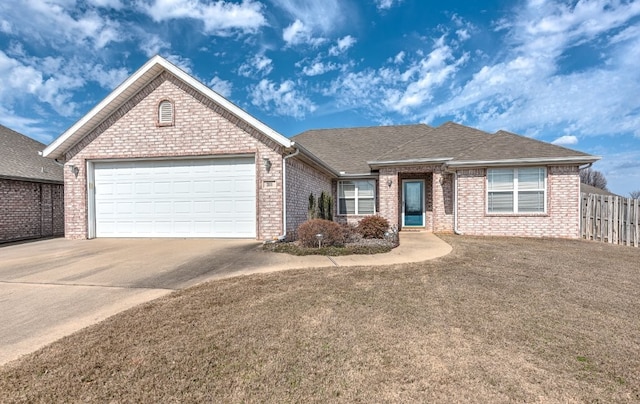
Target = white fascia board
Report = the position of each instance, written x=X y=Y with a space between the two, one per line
x=525 y=161
x=53 y=150
x=363 y=176
x=375 y=164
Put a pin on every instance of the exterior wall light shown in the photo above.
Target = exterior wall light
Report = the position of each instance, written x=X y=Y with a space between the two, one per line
x=389 y=182
x=267 y=164
x=75 y=170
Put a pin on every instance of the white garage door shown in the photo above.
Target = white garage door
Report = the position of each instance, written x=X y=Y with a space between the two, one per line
x=176 y=198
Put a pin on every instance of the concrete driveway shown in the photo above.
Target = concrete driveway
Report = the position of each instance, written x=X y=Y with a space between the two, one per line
x=51 y=288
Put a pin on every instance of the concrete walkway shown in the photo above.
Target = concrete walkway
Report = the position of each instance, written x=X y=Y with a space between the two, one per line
x=53 y=288
x=414 y=247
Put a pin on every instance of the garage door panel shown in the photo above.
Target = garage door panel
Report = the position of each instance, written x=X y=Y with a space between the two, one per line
x=176 y=198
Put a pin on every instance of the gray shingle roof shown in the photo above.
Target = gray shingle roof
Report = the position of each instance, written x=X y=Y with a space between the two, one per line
x=588 y=189
x=19 y=159
x=350 y=150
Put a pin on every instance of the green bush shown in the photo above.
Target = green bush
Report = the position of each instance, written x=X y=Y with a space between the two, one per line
x=332 y=234
x=373 y=226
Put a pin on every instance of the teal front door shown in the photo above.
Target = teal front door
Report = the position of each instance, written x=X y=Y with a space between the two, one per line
x=413 y=203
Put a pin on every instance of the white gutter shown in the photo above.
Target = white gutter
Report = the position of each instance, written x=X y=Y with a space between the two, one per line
x=524 y=161
x=374 y=164
x=284 y=193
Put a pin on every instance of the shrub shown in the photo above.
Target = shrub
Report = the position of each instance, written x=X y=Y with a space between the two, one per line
x=373 y=226
x=350 y=232
x=332 y=234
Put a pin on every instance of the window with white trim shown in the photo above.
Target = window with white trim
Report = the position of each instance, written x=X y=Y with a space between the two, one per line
x=517 y=190
x=165 y=113
x=357 y=197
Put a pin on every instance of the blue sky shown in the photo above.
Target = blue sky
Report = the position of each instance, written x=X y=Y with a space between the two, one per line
x=560 y=71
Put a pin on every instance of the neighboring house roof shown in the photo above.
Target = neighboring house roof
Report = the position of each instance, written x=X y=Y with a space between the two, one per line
x=19 y=159
x=359 y=150
x=138 y=80
x=589 y=189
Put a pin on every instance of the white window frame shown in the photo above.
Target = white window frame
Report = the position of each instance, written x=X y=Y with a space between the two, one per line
x=515 y=190
x=356 y=196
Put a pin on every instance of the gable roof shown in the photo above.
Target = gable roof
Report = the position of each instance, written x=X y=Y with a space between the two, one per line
x=131 y=86
x=19 y=159
x=348 y=149
x=359 y=150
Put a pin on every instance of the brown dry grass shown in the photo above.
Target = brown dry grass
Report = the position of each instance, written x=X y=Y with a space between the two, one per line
x=497 y=320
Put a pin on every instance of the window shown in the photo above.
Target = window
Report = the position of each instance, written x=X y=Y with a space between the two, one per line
x=516 y=190
x=357 y=197
x=165 y=113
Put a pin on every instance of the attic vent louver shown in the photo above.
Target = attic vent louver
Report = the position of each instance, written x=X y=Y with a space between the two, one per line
x=165 y=113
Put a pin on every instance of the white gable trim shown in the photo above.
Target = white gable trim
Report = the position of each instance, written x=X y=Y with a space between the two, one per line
x=143 y=76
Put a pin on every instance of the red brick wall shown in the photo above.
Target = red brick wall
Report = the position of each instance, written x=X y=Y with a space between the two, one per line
x=201 y=128
x=563 y=207
x=303 y=180
x=30 y=210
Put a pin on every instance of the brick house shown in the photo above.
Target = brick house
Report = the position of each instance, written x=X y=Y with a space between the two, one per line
x=31 y=190
x=165 y=156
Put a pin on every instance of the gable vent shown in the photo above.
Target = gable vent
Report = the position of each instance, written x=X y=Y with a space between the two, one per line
x=165 y=113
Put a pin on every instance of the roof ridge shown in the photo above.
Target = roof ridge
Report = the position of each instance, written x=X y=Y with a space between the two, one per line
x=427 y=127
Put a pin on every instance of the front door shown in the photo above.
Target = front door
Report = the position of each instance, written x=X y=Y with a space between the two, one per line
x=413 y=203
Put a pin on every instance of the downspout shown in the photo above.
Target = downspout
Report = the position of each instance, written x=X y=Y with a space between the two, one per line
x=284 y=194
x=455 y=198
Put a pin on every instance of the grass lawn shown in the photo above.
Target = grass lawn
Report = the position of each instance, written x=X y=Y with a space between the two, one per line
x=497 y=320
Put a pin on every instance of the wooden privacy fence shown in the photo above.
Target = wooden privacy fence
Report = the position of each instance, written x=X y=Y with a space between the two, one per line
x=610 y=219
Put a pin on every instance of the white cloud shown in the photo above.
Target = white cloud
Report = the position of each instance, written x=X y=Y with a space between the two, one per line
x=114 y=4
x=108 y=78
x=463 y=34
x=407 y=91
x=282 y=99
x=27 y=126
x=566 y=140
x=342 y=45
x=5 y=26
x=257 y=65
x=61 y=23
x=151 y=44
x=220 y=86
x=319 y=17
x=527 y=89
x=318 y=68
x=219 y=17
x=298 y=33
x=399 y=57
x=182 y=62
x=18 y=81
x=386 y=4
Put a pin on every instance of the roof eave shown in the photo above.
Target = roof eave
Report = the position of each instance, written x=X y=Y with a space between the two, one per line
x=525 y=161
x=29 y=179
x=144 y=75
x=409 y=162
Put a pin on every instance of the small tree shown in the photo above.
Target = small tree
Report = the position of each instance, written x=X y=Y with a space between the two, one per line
x=594 y=178
x=325 y=206
x=311 y=210
x=635 y=194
